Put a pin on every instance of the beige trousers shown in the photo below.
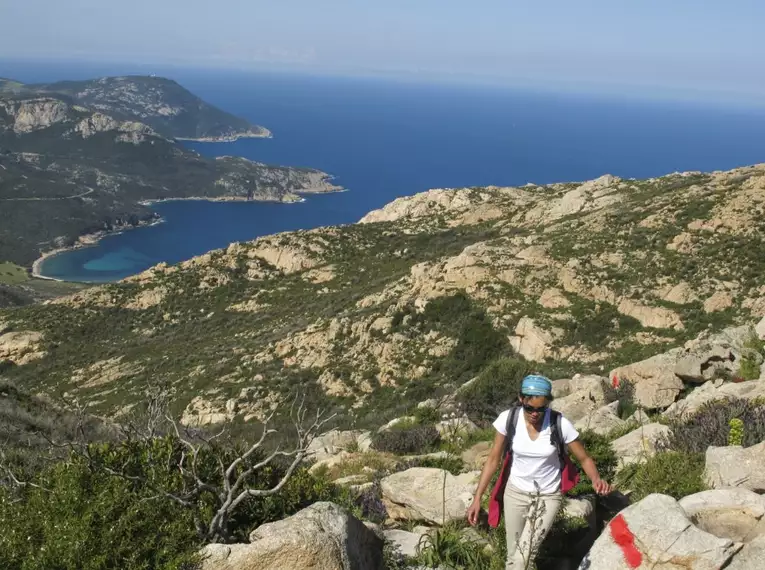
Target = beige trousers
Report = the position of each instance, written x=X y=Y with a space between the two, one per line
x=528 y=519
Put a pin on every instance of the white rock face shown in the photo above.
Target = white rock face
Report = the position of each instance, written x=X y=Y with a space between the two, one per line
x=531 y=341
x=417 y=494
x=320 y=537
x=455 y=427
x=709 y=392
x=405 y=541
x=751 y=557
x=760 y=329
x=656 y=533
x=735 y=466
x=639 y=445
x=333 y=442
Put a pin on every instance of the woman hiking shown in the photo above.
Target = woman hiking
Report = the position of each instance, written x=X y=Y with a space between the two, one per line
x=540 y=471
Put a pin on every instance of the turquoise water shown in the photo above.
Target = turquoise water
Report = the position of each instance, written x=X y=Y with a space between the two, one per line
x=384 y=139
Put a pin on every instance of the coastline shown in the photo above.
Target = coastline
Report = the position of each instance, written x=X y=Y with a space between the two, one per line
x=85 y=240
x=263 y=134
x=92 y=239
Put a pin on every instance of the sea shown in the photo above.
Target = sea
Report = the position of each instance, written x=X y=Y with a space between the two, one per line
x=385 y=138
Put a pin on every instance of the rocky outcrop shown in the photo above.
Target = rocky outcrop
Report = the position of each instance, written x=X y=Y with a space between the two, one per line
x=657 y=533
x=406 y=542
x=602 y=421
x=417 y=494
x=655 y=384
x=639 y=445
x=333 y=442
x=587 y=393
x=760 y=329
x=751 y=557
x=21 y=347
x=531 y=341
x=715 y=391
x=735 y=466
x=321 y=537
x=34 y=114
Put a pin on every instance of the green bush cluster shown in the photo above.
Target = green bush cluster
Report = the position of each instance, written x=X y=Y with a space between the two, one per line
x=672 y=473
x=407 y=440
x=495 y=389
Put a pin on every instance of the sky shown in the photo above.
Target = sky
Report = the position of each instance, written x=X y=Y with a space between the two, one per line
x=629 y=45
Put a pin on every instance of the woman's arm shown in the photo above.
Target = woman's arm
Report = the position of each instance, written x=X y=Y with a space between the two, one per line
x=588 y=466
x=489 y=468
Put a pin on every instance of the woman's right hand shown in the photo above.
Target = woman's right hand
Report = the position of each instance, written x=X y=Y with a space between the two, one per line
x=474 y=510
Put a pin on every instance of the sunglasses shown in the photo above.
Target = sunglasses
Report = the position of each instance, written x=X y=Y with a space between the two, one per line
x=531 y=409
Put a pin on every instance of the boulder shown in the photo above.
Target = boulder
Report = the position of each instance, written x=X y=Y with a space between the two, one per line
x=653 y=379
x=657 y=533
x=333 y=442
x=735 y=466
x=531 y=341
x=639 y=418
x=405 y=541
x=561 y=388
x=736 y=514
x=455 y=427
x=751 y=557
x=475 y=456
x=418 y=493
x=759 y=329
x=323 y=536
x=700 y=366
x=21 y=347
x=602 y=420
x=709 y=392
x=639 y=445
x=395 y=421
x=587 y=394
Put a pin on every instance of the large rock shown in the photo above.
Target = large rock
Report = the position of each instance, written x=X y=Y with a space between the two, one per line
x=639 y=445
x=710 y=392
x=531 y=341
x=602 y=421
x=735 y=466
x=320 y=537
x=455 y=427
x=700 y=366
x=474 y=457
x=586 y=394
x=405 y=541
x=656 y=533
x=654 y=381
x=418 y=493
x=760 y=329
x=335 y=441
x=737 y=514
x=751 y=557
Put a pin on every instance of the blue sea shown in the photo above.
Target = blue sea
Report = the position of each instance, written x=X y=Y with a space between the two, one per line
x=382 y=139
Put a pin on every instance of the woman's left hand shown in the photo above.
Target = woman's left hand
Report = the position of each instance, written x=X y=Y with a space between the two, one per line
x=601 y=487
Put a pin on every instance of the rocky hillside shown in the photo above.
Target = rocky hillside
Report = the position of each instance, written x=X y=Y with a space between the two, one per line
x=68 y=170
x=420 y=297
x=160 y=103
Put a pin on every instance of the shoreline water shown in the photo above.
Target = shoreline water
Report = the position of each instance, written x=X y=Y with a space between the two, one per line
x=92 y=240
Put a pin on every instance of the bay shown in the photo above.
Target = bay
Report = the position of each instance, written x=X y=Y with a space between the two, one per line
x=383 y=139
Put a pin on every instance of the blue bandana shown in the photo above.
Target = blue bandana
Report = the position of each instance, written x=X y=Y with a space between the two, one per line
x=535 y=385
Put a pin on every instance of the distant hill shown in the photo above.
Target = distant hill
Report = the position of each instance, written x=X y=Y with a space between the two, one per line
x=67 y=169
x=161 y=103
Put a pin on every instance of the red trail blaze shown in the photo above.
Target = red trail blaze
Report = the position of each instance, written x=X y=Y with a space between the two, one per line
x=624 y=538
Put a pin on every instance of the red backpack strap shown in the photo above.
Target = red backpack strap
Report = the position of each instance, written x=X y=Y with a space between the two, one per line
x=496 y=500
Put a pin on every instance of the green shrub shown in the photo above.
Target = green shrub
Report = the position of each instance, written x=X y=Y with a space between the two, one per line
x=427 y=415
x=414 y=439
x=711 y=425
x=599 y=448
x=670 y=473
x=495 y=389
x=624 y=393
x=447 y=548
x=450 y=463
x=736 y=435
x=751 y=358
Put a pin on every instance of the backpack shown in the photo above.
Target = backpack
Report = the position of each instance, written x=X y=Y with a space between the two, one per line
x=569 y=472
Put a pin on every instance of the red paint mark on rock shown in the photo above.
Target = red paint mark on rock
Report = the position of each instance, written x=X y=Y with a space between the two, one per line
x=624 y=538
x=615 y=381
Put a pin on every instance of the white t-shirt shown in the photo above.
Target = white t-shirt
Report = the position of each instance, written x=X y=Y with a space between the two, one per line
x=535 y=460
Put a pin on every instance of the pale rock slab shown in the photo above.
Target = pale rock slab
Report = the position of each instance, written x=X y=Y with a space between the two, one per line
x=658 y=534
x=735 y=466
x=323 y=536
